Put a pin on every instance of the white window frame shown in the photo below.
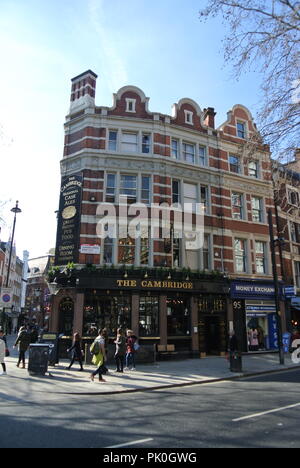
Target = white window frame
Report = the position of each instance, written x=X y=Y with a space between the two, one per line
x=130 y=105
x=189 y=115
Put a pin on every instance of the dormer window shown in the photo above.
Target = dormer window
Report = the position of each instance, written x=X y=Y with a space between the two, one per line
x=130 y=105
x=188 y=117
x=241 y=129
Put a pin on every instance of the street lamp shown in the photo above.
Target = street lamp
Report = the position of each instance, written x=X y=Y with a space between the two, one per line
x=276 y=286
x=15 y=210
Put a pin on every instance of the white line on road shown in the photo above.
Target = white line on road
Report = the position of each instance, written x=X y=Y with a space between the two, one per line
x=275 y=410
x=141 y=441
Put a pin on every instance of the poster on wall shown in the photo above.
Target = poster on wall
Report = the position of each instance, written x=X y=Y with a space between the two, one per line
x=68 y=226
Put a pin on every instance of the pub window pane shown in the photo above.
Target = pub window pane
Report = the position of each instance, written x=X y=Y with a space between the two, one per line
x=112 y=142
x=108 y=250
x=174 y=149
x=144 y=251
x=257 y=215
x=126 y=251
x=106 y=312
x=111 y=188
x=253 y=169
x=176 y=252
x=175 y=191
x=128 y=187
x=188 y=152
x=149 y=316
x=145 y=194
x=240 y=255
x=260 y=256
x=178 y=316
x=145 y=143
x=206 y=248
x=190 y=197
x=129 y=142
x=202 y=156
x=241 y=130
x=204 y=197
x=237 y=205
x=234 y=164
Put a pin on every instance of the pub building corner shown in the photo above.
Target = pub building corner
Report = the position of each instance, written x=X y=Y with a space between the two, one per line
x=165 y=292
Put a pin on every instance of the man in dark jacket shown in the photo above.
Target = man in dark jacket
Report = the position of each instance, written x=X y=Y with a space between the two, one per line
x=23 y=340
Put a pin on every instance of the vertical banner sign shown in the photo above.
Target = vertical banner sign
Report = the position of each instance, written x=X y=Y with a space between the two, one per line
x=68 y=227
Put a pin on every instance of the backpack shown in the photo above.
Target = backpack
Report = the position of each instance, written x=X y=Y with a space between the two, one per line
x=95 y=348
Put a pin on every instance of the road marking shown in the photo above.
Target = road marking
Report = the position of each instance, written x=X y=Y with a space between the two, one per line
x=275 y=410
x=141 y=441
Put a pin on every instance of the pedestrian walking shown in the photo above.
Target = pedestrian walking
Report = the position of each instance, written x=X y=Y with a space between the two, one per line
x=131 y=341
x=120 y=343
x=106 y=340
x=3 y=349
x=98 y=351
x=23 y=341
x=77 y=352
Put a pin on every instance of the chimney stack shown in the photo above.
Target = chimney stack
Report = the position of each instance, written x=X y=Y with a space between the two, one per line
x=83 y=91
x=209 y=117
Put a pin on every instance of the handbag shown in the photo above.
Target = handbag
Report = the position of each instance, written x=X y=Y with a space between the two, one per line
x=7 y=353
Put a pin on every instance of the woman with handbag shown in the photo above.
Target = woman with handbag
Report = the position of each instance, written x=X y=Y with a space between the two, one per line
x=98 y=351
x=76 y=352
x=3 y=351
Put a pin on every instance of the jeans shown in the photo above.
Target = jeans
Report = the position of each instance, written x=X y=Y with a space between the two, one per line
x=130 y=358
x=21 y=357
x=119 y=362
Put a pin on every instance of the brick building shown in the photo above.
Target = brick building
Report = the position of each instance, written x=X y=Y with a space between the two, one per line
x=162 y=288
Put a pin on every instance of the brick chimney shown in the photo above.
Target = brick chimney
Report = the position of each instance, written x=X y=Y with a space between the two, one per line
x=209 y=117
x=83 y=91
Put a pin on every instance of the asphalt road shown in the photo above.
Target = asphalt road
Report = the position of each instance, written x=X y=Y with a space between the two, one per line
x=225 y=414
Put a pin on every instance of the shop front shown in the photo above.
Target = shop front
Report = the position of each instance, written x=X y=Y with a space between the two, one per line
x=254 y=315
x=189 y=314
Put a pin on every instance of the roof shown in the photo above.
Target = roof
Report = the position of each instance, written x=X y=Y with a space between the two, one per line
x=39 y=266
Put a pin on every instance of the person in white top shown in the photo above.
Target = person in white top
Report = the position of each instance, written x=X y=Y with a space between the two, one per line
x=2 y=352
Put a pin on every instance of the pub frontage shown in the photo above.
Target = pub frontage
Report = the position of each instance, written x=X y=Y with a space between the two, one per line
x=189 y=313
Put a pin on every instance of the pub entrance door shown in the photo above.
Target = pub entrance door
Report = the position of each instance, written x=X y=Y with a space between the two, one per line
x=212 y=334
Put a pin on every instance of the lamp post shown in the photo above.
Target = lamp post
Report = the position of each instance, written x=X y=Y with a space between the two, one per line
x=15 y=210
x=276 y=287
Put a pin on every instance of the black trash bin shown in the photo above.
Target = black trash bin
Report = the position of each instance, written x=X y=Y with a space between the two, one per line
x=235 y=359
x=38 y=359
x=52 y=339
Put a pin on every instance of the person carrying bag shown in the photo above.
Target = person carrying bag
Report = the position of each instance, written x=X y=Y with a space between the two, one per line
x=98 y=351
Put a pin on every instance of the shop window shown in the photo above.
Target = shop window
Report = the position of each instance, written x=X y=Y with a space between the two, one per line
x=178 y=316
x=110 y=312
x=149 y=316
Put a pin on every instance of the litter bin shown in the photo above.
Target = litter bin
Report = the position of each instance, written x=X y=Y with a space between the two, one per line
x=235 y=359
x=38 y=359
x=52 y=340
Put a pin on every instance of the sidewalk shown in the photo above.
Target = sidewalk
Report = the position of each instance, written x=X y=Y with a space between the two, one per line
x=146 y=377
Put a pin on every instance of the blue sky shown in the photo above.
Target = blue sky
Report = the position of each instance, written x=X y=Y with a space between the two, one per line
x=159 y=46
